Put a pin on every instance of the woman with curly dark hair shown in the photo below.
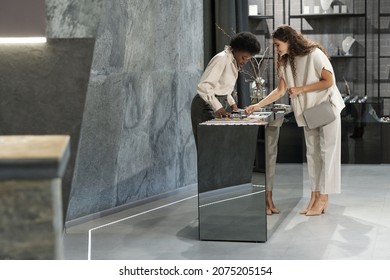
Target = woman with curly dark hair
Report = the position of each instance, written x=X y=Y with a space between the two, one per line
x=214 y=98
x=305 y=72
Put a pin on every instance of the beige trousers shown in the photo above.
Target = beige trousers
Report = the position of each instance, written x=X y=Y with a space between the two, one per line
x=323 y=153
x=271 y=152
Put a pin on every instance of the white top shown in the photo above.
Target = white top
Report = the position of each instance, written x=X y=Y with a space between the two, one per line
x=309 y=70
x=219 y=78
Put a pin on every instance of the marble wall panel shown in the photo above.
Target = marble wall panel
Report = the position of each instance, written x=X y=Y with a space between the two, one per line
x=136 y=139
x=72 y=18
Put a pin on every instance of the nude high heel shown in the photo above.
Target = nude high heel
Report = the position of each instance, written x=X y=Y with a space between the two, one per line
x=319 y=206
x=314 y=195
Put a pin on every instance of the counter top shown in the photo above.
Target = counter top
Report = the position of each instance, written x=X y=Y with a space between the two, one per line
x=262 y=117
x=33 y=156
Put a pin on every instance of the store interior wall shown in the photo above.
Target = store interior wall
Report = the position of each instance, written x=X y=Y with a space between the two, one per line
x=136 y=139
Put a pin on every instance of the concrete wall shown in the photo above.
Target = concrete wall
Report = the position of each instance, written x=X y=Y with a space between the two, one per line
x=43 y=89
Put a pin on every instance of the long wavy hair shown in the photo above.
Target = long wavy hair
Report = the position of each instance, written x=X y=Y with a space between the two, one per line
x=298 y=45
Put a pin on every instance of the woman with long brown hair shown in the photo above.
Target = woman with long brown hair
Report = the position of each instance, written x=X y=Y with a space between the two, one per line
x=305 y=72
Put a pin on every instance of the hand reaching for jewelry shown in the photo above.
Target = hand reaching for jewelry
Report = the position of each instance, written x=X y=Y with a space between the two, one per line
x=250 y=109
x=221 y=113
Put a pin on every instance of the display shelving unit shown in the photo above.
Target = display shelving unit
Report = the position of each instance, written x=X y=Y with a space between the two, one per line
x=262 y=26
x=384 y=54
x=319 y=26
x=384 y=73
x=361 y=129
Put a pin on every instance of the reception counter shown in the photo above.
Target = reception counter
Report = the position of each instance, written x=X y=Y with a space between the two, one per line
x=232 y=175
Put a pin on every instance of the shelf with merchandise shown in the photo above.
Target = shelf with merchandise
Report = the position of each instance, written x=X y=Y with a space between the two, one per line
x=383 y=31
x=328 y=16
x=261 y=22
x=342 y=34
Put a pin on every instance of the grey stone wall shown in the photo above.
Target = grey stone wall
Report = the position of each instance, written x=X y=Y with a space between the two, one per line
x=72 y=18
x=136 y=139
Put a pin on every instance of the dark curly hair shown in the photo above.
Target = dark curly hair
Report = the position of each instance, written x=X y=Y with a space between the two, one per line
x=298 y=45
x=245 y=41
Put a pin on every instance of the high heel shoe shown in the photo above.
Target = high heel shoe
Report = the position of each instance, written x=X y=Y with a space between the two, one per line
x=319 y=206
x=304 y=211
x=314 y=195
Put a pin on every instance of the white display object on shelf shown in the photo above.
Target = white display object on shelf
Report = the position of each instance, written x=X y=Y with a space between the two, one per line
x=325 y=5
x=347 y=44
x=253 y=10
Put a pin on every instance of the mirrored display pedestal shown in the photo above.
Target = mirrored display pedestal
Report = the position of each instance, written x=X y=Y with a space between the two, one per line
x=231 y=199
x=231 y=183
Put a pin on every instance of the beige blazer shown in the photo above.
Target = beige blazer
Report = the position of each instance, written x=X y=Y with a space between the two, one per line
x=309 y=70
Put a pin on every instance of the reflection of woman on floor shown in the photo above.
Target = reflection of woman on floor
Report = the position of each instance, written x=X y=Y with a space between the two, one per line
x=305 y=71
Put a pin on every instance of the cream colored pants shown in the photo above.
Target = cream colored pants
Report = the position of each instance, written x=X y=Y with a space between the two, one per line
x=323 y=153
x=271 y=152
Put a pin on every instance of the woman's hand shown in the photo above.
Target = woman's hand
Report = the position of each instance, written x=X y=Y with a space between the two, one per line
x=221 y=113
x=234 y=108
x=294 y=91
x=250 y=109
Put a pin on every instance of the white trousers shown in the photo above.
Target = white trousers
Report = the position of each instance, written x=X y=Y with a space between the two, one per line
x=323 y=153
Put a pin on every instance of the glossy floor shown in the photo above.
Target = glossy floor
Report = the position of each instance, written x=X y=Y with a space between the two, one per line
x=356 y=226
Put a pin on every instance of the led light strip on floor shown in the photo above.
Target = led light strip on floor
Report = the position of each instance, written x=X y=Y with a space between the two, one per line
x=133 y=216
x=22 y=40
